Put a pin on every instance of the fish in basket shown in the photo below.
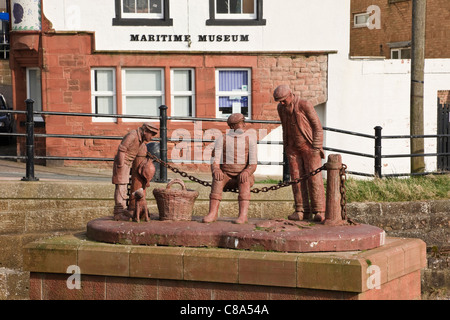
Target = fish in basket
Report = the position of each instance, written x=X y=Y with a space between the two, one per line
x=175 y=204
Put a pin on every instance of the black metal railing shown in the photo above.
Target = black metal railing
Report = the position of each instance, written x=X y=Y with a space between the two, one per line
x=163 y=118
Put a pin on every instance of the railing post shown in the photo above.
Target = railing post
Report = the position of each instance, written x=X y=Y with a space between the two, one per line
x=30 y=142
x=163 y=144
x=378 y=130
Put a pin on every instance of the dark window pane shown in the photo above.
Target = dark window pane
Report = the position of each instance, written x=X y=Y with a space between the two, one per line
x=129 y=6
x=394 y=54
x=142 y=6
x=155 y=6
x=406 y=54
x=222 y=6
x=235 y=6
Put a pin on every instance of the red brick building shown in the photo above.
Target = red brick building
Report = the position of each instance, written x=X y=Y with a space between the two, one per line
x=393 y=37
x=65 y=69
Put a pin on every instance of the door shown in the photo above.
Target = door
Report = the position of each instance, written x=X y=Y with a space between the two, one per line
x=443 y=163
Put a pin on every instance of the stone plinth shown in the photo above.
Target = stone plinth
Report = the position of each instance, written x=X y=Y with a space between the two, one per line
x=269 y=235
x=111 y=271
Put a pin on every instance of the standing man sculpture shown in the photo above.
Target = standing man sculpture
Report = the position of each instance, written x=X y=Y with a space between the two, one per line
x=234 y=162
x=126 y=154
x=303 y=143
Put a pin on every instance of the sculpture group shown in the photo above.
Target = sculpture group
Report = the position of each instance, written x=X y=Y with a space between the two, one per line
x=233 y=164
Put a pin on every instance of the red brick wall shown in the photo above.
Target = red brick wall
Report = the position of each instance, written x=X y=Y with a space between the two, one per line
x=66 y=79
x=396 y=27
x=438 y=29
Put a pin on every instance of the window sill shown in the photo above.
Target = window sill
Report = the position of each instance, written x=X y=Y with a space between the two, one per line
x=142 y=22
x=395 y=1
x=235 y=22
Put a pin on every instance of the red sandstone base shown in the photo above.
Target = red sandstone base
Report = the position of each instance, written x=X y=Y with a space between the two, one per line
x=73 y=267
x=266 y=235
x=49 y=286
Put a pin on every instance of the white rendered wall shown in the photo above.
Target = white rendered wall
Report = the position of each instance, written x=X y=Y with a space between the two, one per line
x=377 y=93
x=296 y=25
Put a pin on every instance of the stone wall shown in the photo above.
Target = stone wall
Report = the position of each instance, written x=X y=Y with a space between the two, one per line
x=32 y=211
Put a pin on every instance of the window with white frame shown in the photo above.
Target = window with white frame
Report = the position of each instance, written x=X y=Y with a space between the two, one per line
x=233 y=92
x=151 y=9
x=34 y=90
x=142 y=13
x=361 y=20
x=236 y=12
x=236 y=9
x=401 y=53
x=103 y=91
x=142 y=91
x=183 y=92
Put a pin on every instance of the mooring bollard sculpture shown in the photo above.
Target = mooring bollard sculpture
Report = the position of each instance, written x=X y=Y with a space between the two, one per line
x=131 y=154
x=233 y=165
x=335 y=197
x=303 y=142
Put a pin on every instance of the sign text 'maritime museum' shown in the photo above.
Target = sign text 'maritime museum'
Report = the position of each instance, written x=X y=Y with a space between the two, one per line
x=188 y=38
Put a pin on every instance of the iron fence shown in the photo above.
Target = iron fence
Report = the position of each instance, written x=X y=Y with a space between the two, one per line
x=163 y=118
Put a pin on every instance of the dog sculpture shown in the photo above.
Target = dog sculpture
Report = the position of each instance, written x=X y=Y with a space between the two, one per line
x=140 y=209
x=141 y=181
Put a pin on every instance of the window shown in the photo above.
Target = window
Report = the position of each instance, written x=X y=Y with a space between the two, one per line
x=4 y=39
x=361 y=20
x=142 y=13
x=103 y=89
x=233 y=92
x=236 y=12
x=401 y=53
x=236 y=9
x=183 y=92
x=152 y=9
x=143 y=92
x=34 y=90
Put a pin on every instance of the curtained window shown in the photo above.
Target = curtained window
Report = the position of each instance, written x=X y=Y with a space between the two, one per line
x=233 y=93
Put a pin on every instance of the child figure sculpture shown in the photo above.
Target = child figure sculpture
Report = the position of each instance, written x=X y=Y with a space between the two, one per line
x=234 y=162
x=131 y=152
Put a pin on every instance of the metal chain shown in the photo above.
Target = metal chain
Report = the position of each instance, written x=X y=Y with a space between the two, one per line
x=342 y=172
x=235 y=190
x=289 y=183
x=178 y=171
x=343 y=191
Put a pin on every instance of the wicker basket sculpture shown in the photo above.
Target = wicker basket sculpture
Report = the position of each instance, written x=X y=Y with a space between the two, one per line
x=175 y=204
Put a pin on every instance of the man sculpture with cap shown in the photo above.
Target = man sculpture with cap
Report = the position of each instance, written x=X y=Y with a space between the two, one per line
x=233 y=164
x=303 y=143
x=132 y=143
